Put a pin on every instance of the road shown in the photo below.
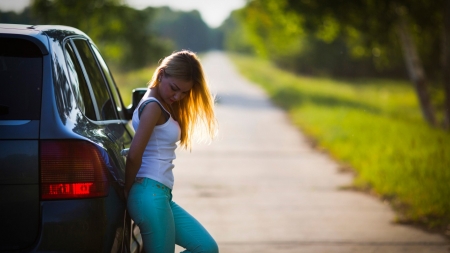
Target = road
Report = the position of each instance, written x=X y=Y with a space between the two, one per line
x=260 y=187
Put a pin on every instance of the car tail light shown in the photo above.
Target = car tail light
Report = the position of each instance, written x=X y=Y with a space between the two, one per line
x=72 y=169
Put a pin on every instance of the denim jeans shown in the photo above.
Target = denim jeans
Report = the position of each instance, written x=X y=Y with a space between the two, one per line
x=163 y=223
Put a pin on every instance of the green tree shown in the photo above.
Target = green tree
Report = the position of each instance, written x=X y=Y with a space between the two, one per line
x=118 y=30
x=273 y=31
x=186 y=30
x=417 y=25
x=270 y=28
x=235 y=38
x=11 y=17
x=356 y=37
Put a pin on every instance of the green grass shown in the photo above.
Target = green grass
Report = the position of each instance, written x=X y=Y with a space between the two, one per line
x=375 y=127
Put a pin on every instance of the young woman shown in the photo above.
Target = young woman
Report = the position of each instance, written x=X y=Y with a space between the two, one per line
x=177 y=106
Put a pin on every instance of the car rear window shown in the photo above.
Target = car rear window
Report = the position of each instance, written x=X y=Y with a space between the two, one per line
x=20 y=79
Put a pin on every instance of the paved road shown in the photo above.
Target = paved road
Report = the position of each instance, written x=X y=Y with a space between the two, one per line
x=260 y=187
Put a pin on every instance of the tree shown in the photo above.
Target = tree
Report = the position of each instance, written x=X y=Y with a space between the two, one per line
x=446 y=62
x=118 y=30
x=414 y=64
x=270 y=28
x=306 y=43
x=10 y=17
x=235 y=38
x=376 y=20
x=186 y=30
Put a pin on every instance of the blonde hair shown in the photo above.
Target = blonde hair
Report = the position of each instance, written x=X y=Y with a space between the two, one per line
x=195 y=112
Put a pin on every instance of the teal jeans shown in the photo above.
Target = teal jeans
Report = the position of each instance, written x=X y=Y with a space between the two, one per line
x=163 y=223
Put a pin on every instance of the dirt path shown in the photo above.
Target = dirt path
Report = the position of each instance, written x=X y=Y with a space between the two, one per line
x=260 y=187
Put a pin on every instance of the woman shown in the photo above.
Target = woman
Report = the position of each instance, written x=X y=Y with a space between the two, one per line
x=177 y=106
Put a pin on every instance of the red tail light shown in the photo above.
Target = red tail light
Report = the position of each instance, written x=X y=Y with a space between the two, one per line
x=72 y=169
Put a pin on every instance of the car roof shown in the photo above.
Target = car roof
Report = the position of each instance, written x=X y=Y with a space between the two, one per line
x=39 y=33
x=33 y=29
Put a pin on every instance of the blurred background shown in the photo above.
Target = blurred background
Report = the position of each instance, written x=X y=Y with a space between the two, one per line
x=369 y=81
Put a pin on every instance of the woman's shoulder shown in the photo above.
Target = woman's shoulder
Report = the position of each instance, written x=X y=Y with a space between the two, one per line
x=148 y=101
x=145 y=99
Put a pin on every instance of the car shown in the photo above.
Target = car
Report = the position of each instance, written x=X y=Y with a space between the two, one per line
x=63 y=126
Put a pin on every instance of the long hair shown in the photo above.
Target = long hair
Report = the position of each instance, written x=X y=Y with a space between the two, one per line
x=195 y=112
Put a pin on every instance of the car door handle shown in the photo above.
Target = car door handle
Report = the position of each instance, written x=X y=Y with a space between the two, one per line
x=124 y=151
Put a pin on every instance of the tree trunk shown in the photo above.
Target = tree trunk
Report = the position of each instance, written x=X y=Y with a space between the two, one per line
x=414 y=66
x=446 y=63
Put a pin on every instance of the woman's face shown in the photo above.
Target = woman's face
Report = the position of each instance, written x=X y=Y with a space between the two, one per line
x=172 y=89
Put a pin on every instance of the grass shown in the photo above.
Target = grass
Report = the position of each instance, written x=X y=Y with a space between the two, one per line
x=376 y=128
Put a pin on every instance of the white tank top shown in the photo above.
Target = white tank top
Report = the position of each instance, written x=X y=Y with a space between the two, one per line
x=160 y=150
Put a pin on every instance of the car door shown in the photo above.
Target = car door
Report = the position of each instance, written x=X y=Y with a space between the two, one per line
x=134 y=238
x=104 y=109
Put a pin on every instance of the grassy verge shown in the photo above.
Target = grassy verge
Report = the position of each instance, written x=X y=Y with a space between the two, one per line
x=373 y=126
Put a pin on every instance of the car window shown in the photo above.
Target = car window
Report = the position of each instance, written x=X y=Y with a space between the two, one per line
x=110 y=80
x=78 y=83
x=20 y=79
x=103 y=99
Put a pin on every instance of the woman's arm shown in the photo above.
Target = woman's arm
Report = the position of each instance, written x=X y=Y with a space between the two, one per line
x=148 y=120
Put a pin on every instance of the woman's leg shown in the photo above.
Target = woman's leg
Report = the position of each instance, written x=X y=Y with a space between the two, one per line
x=190 y=234
x=149 y=206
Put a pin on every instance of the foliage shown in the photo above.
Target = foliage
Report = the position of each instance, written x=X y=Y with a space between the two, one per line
x=186 y=30
x=375 y=22
x=375 y=127
x=118 y=30
x=358 y=36
x=128 y=38
x=270 y=28
x=418 y=25
x=296 y=42
x=11 y=17
x=235 y=38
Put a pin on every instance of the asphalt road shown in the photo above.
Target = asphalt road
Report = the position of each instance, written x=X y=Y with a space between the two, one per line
x=260 y=187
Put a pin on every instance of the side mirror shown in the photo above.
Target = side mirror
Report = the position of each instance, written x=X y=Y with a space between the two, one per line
x=136 y=97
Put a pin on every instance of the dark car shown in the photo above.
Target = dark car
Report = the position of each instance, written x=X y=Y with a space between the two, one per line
x=62 y=129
